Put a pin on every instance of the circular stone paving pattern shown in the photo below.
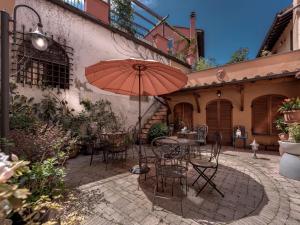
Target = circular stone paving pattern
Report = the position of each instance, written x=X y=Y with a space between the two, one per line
x=243 y=190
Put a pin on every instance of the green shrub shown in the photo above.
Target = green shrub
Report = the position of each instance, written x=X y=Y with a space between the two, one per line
x=22 y=121
x=45 y=179
x=281 y=125
x=12 y=197
x=290 y=104
x=294 y=131
x=157 y=130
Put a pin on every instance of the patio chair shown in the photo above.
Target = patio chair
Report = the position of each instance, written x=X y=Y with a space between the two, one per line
x=132 y=139
x=118 y=148
x=201 y=134
x=169 y=165
x=99 y=145
x=239 y=132
x=202 y=166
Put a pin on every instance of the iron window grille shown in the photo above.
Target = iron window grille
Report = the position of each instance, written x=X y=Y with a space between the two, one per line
x=45 y=69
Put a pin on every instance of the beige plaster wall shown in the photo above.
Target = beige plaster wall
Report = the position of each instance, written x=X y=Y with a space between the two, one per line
x=251 y=91
x=92 y=43
x=283 y=44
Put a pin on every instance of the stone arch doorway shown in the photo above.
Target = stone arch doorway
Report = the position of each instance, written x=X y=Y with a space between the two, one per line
x=183 y=115
x=219 y=118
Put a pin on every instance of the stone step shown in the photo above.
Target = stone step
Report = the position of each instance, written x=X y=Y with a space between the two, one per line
x=162 y=110
x=147 y=125
x=161 y=113
x=153 y=121
x=145 y=130
x=159 y=117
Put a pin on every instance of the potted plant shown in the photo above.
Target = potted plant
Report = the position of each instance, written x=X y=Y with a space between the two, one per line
x=282 y=127
x=294 y=131
x=291 y=110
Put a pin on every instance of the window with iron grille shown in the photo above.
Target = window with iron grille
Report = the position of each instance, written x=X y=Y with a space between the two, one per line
x=45 y=69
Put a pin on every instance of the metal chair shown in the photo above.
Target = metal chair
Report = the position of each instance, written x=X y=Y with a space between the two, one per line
x=201 y=165
x=201 y=134
x=98 y=145
x=239 y=132
x=118 y=148
x=169 y=165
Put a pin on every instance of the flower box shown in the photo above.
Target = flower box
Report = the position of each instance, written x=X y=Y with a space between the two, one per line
x=291 y=116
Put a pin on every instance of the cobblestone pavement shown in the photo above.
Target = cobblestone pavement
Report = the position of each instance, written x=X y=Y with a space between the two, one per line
x=254 y=191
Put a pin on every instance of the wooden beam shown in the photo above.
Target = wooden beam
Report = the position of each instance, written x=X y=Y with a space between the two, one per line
x=242 y=93
x=147 y=9
x=196 y=97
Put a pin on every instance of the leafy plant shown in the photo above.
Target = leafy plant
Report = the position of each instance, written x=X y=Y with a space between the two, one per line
x=157 y=130
x=281 y=125
x=203 y=63
x=123 y=15
x=239 y=55
x=290 y=104
x=11 y=196
x=45 y=178
x=294 y=131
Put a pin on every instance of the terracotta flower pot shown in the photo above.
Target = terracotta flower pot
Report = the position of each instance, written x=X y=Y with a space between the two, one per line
x=292 y=116
x=283 y=136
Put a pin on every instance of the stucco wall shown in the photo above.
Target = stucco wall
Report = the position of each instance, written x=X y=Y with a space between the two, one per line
x=92 y=43
x=283 y=44
x=231 y=93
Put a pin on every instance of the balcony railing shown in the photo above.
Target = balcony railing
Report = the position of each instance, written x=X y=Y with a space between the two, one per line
x=143 y=18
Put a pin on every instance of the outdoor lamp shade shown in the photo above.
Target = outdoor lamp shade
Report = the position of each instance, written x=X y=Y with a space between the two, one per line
x=38 y=39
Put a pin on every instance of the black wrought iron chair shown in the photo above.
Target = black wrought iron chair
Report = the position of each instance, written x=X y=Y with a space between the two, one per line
x=202 y=166
x=117 y=149
x=239 y=132
x=98 y=146
x=169 y=165
x=201 y=134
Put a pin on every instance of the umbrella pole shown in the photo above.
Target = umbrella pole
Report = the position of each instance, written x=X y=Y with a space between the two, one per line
x=140 y=120
x=140 y=169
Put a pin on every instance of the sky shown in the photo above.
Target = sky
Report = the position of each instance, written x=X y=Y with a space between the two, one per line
x=228 y=24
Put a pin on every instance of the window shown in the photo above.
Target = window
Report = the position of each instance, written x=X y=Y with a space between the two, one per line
x=170 y=45
x=76 y=3
x=264 y=113
x=45 y=69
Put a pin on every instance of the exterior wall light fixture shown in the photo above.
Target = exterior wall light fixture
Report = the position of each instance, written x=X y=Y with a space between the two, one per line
x=219 y=94
x=38 y=40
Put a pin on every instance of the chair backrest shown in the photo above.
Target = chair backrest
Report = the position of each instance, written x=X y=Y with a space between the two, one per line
x=202 y=132
x=132 y=134
x=171 y=129
x=242 y=129
x=167 y=150
x=216 y=147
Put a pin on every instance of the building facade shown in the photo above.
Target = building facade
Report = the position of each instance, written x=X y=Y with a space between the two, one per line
x=78 y=39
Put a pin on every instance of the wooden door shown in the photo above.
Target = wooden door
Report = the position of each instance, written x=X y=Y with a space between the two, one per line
x=183 y=112
x=219 y=119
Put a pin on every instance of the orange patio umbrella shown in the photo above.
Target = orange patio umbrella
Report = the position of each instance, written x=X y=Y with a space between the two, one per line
x=135 y=77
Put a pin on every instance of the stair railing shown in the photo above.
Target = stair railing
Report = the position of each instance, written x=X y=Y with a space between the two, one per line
x=157 y=100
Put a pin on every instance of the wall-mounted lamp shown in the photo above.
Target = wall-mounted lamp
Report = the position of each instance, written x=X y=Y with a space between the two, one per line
x=219 y=93
x=38 y=40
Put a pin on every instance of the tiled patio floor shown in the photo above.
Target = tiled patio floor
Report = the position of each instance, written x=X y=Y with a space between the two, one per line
x=254 y=194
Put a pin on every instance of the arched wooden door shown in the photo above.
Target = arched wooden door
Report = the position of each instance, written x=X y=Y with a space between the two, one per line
x=183 y=112
x=219 y=118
